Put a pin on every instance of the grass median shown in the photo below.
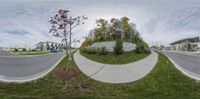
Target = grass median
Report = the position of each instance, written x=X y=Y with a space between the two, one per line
x=110 y=58
x=33 y=52
x=164 y=81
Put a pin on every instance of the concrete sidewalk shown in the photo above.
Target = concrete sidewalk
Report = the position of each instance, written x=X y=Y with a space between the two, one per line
x=116 y=73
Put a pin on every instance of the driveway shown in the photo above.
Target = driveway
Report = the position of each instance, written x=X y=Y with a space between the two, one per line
x=15 y=68
x=188 y=64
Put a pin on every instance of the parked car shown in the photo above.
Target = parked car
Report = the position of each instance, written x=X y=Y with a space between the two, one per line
x=53 y=50
x=60 y=50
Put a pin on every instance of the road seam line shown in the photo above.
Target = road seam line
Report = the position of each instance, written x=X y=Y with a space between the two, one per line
x=97 y=71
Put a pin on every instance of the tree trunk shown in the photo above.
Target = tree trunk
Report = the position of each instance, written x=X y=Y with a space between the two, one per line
x=66 y=69
x=70 y=42
x=66 y=44
x=66 y=49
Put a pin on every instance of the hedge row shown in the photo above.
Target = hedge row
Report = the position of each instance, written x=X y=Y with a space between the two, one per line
x=97 y=51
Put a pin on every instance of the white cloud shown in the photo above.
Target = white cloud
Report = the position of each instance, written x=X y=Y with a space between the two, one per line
x=157 y=20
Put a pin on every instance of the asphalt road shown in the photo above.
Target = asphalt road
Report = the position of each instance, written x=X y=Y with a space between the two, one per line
x=13 y=66
x=188 y=62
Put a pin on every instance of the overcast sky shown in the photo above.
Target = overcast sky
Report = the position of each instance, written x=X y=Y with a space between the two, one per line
x=26 y=21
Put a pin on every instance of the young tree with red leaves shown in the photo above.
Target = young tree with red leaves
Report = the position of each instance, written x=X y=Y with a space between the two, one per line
x=62 y=25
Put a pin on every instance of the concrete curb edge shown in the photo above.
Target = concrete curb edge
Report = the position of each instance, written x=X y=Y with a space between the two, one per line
x=31 y=77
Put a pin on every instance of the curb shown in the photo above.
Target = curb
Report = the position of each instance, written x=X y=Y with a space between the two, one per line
x=19 y=55
x=184 y=71
x=191 y=54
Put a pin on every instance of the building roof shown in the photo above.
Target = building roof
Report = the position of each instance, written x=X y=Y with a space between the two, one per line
x=192 y=40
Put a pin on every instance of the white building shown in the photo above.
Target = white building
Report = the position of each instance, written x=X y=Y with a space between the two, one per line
x=4 y=49
x=48 y=45
x=198 y=44
x=188 y=44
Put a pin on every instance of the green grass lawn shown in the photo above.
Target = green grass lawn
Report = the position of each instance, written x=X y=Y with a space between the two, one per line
x=33 y=52
x=163 y=82
x=110 y=58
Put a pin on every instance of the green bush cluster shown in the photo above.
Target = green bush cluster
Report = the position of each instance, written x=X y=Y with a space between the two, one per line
x=118 y=48
x=16 y=50
x=33 y=50
x=147 y=50
x=24 y=49
x=141 y=48
x=96 y=51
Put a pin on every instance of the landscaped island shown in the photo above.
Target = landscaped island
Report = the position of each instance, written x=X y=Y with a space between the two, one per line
x=114 y=42
x=110 y=58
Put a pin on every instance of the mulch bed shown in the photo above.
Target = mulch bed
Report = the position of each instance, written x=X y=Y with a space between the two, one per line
x=67 y=74
x=71 y=74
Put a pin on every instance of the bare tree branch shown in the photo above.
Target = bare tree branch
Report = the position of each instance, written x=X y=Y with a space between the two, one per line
x=62 y=25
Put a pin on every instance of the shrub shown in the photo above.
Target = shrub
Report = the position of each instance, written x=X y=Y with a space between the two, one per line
x=23 y=49
x=16 y=50
x=93 y=50
x=89 y=50
x=118 y=48
x=101 y=39
x=85 y=50
x=33 y=50
x=96 y=51
x=139 y=48
x=103 y=51
x=147 y=50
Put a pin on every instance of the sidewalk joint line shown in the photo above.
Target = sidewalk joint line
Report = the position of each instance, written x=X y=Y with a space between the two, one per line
x=97 y=71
